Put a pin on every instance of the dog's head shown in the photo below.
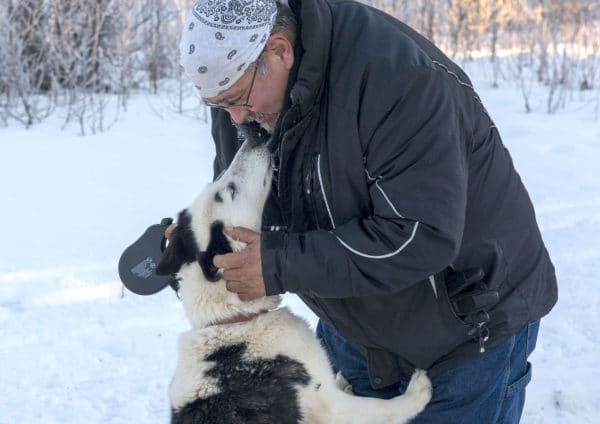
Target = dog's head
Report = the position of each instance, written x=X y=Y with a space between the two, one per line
x=237 y=198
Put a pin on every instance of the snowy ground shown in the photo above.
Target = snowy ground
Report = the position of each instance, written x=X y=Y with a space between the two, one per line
x=74 y=347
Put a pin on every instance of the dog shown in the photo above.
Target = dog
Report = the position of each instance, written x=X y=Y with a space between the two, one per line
x=250 y=361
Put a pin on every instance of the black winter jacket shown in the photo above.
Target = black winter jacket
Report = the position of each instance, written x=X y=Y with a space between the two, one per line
x=390 y=170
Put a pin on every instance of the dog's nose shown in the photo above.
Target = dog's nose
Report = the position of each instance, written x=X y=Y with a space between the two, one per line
x=254 y=134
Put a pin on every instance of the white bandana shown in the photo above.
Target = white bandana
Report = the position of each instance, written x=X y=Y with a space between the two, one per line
x=221 y=38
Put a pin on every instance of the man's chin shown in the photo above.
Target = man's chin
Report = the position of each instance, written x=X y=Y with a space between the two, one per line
x=268 y=122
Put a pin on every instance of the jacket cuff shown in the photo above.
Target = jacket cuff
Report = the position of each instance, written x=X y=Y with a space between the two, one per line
x=272 y=246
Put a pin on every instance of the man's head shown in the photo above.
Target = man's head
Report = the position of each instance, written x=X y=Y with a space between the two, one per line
x=239 y=55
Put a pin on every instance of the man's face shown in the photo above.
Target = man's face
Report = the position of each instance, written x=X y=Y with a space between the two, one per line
x=256 y=96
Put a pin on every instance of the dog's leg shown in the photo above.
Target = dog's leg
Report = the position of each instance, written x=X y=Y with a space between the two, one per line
x=349 y=409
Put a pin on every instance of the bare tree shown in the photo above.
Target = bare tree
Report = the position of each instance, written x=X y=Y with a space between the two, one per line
x=428 y=19
x=23 y=66
x=86 y=56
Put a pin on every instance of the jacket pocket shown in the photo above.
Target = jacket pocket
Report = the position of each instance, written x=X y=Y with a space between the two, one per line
x=319 y=204
x=457 y=328
x=421 y=327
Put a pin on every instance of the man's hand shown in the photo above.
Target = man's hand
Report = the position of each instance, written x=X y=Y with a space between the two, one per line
x=243 y=270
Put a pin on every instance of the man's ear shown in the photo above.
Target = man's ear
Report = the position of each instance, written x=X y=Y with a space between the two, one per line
x=218 y=245
x=279 y=45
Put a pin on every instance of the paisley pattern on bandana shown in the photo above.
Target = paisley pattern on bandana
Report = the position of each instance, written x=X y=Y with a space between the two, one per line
x=237 y=15
x=222 y=38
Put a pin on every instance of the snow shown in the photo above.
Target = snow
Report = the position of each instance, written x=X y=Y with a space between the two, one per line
x=74 y=346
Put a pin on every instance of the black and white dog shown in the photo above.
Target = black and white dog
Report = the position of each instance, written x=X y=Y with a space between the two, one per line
x=251 y=362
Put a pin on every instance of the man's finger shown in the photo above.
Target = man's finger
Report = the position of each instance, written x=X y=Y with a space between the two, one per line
x=169 y=231
x=234 y=286
x=246 y=297
x=242 y=234
x=233 y=274
x=229 y=260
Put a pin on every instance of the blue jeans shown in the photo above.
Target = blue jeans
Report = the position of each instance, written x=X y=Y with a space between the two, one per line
x=489 y=389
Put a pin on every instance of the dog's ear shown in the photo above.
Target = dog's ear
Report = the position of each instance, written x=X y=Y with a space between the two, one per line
x=218 y=245
x=173 y=255
x=181 y=248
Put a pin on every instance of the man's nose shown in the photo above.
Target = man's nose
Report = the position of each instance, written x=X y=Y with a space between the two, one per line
x=238 y=115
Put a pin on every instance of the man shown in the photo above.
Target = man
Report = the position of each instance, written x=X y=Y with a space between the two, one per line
x=390 y=179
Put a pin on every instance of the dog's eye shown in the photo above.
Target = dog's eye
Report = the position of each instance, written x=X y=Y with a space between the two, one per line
x=232 y=189
x=218 y=197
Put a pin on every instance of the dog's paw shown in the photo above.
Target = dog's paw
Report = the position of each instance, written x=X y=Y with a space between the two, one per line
x=342 y=383
x=419 y=387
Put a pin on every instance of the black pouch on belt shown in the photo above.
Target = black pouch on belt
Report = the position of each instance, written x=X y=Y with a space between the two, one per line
x=471 y=299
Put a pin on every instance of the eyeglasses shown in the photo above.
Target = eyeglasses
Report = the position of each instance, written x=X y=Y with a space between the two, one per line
x=244 y=105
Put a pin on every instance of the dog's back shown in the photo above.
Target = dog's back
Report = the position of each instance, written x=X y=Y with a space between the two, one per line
x=272 y=369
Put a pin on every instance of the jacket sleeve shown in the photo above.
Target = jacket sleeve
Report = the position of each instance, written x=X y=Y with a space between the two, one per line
x=226 y=141
x=416 y=169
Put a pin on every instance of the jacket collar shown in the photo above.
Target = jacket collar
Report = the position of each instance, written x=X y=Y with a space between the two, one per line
x=313 y=49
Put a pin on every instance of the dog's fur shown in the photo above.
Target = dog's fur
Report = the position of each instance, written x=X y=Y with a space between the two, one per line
x=269 y=369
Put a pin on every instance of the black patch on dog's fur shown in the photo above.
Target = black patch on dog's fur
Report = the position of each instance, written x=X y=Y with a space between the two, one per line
x=255 y=391
x=182 y=247
x=218 y=245
x=233 y=189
